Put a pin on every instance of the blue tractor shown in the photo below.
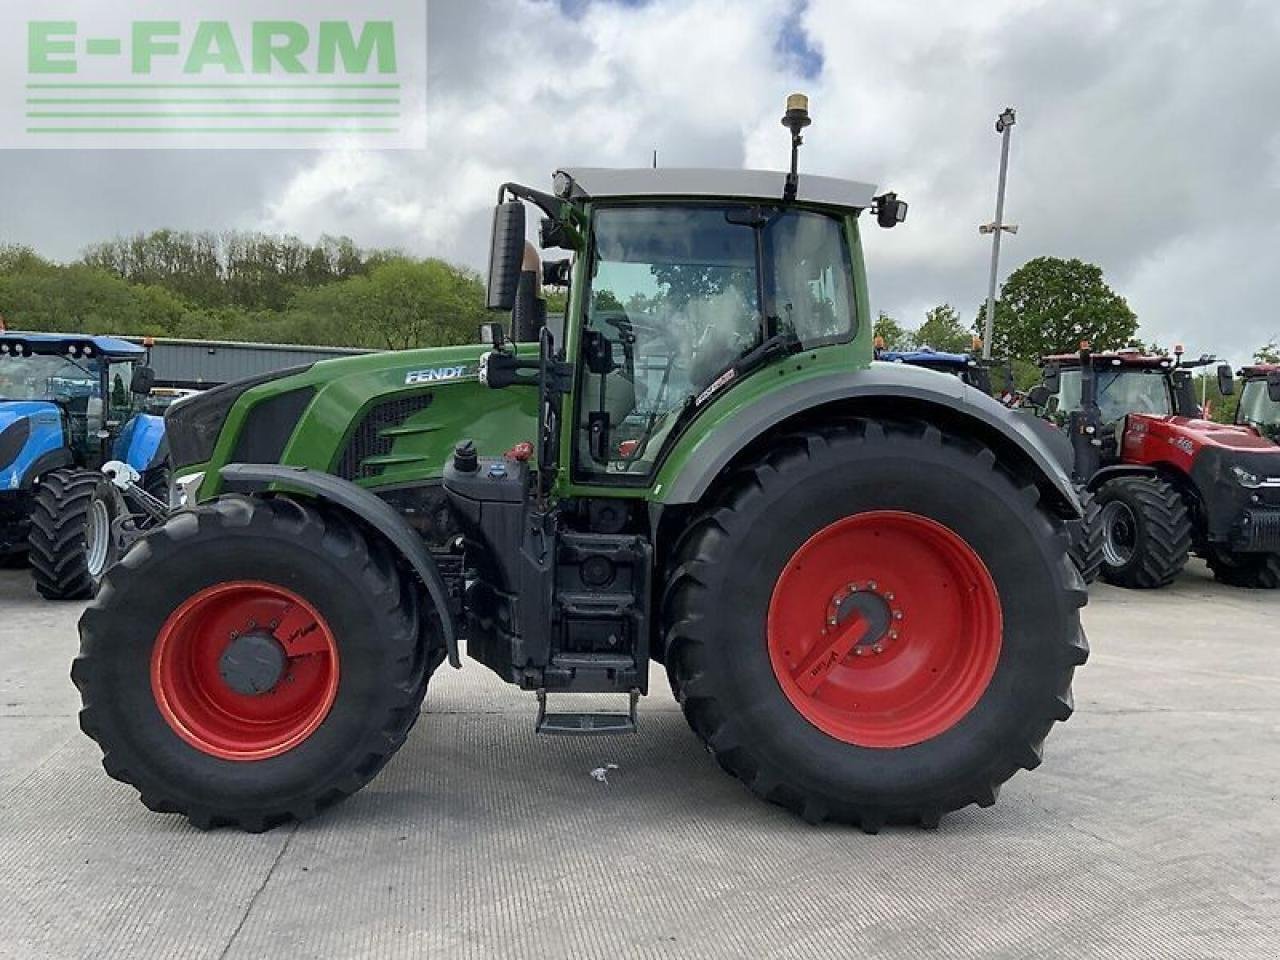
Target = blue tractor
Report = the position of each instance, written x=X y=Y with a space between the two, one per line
x=972 y=370
x=82 y=466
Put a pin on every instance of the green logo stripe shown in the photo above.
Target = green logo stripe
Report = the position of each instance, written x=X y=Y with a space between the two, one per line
x=233 y=100
x=187 y=113
x=142 y=85
x=270 y=130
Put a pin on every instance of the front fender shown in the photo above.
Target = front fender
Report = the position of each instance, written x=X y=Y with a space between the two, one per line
x=141 y=442
x=371 y=509
x=885 y=389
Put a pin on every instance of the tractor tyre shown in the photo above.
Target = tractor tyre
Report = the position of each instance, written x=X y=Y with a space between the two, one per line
x=1086 y=539
x=250 y=662
x=1146 y=532
x=1253 y=571
x=874 y=623
x=70 y=543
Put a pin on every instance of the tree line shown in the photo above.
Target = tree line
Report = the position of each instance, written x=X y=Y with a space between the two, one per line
x=1048 y=305
x=244 y=286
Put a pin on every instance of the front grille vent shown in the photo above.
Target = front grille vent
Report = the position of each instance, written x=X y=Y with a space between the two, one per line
x=368 y=440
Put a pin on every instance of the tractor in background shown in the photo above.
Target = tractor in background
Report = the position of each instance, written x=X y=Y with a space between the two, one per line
x=971 y=369
x=854 y=574
x=1260 y=399
x=1166 y=481
x=71 y=405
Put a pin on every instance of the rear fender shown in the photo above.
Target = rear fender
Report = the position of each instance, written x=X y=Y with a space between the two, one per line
x=889 y=390
x=371 y=510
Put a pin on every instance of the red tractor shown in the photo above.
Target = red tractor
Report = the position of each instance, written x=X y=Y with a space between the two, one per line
x=1166 y=481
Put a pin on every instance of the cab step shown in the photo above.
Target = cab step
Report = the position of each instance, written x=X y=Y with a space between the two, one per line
x=586 y=724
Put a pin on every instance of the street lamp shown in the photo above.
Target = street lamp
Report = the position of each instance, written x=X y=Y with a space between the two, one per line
x=1004 y=126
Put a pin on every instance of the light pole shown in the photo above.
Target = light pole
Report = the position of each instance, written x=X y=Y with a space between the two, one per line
x=1004 y=126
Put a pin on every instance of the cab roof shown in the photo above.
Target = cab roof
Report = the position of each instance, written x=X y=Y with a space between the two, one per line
x=1119 y=358
x=48 y=344
x=605 y=183
x=926 y=358
x=1259 y=369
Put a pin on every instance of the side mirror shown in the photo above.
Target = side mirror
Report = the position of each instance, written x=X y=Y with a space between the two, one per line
x=1226 y=380
x=506 y=251
x=597 y=352
x=1273 y=386
x=1039 y=395
x=1052 y=379
x=889 y=210
x=144 y=378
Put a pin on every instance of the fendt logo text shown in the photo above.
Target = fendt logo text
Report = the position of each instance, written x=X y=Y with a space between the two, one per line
x=198 y=73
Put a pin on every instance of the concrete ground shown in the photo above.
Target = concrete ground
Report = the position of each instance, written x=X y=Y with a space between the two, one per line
x=1152 y=829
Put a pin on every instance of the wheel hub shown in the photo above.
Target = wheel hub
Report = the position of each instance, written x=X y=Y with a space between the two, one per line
x=884 y=629
x=245 y=670
x=253 y=663
x=878 y=614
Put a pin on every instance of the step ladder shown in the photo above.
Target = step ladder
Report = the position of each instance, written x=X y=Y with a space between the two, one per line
x=586 y=724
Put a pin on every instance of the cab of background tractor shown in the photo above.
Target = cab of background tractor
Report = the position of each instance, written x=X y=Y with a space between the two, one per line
x=1260 y=399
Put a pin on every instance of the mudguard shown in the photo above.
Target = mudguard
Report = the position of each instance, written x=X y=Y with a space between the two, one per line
x=31 y=441
x=141 y=442
x=894 y=387
x=370 y=508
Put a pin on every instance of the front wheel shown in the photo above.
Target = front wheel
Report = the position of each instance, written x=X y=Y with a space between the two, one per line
x=874 y=624
x=1146 y=532
x=1253 y=571
x=70 y=541
x=251 y=661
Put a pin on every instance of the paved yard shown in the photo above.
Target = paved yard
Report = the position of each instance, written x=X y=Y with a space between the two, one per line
x=1153 y=828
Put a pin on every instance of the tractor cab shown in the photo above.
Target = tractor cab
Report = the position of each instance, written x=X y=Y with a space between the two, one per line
x=1260 y=399
x=90 y=381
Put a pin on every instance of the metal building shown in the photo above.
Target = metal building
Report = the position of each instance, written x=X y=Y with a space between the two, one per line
x=198 y=364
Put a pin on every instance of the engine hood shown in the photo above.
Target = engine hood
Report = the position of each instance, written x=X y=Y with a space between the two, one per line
x=13 y=410
x=1203 y=433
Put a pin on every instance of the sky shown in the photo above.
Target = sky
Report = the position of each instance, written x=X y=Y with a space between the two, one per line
x=1147 y=141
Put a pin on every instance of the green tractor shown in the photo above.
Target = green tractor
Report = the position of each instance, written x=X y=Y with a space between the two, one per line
x=854 y=574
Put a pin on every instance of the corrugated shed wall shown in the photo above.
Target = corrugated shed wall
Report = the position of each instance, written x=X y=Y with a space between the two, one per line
x=206 y=363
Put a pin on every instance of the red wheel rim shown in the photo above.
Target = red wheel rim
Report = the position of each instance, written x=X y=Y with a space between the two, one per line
x=884 y=629
x=200 y=705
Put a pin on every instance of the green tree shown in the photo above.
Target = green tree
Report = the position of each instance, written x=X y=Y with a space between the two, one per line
x=1048 y=305
x=890 y=332
x=942 y=330
x=1268 y=352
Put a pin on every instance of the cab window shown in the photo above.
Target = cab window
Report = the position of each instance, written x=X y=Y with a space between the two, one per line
x=680 y=294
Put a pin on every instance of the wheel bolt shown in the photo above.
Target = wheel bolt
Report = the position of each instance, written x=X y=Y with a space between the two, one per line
x=878 y=648
x=889 y=597
x=872 y=585
x=897 y=614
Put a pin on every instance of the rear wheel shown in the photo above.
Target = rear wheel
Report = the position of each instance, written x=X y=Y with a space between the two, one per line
x=874 y=624
x=250 y=662
x=1146 y=532
x=1087 y=540
x=1254 y=571
x=70 y=544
